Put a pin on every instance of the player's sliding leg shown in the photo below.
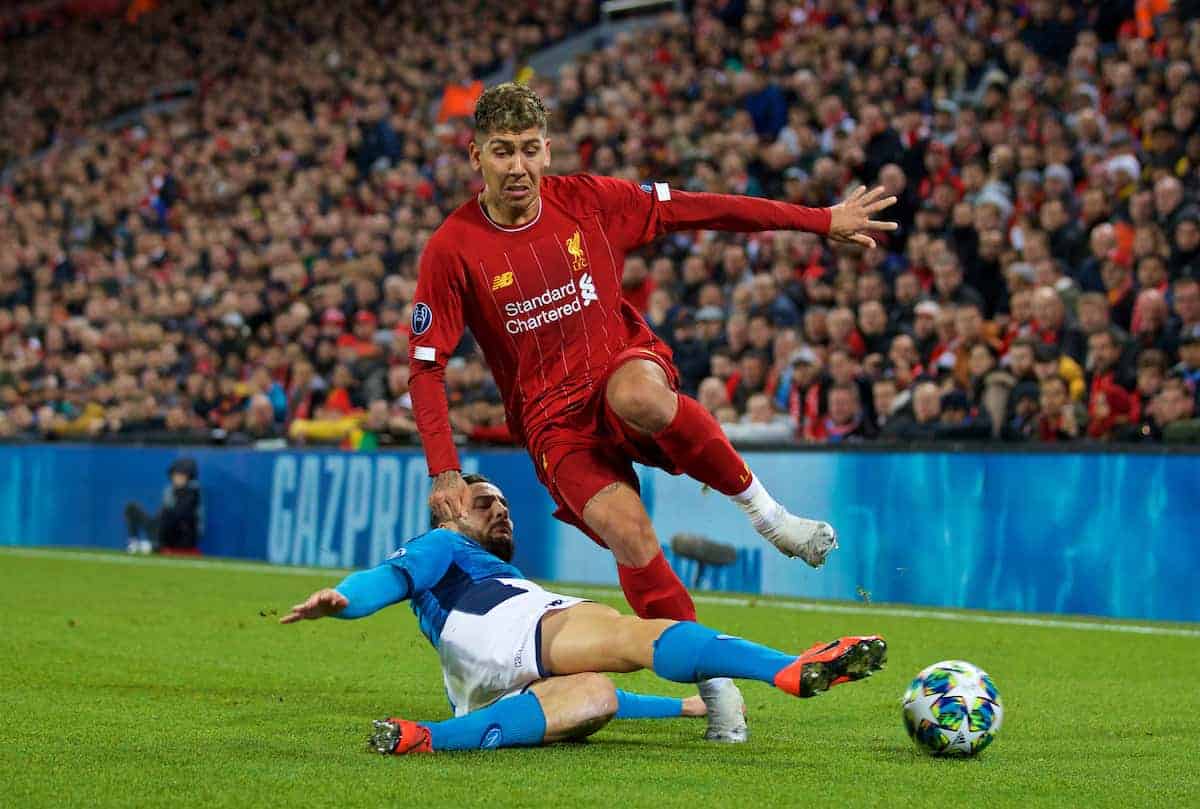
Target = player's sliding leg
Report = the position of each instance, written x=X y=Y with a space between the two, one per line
x=556 y=709
x=617 y=515
x=595 y=637
x=640 y=394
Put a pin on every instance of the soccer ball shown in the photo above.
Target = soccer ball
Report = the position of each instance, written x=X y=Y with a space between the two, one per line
x=952 y=708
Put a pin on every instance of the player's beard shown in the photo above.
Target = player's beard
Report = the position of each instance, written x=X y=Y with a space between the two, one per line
x=499 y=545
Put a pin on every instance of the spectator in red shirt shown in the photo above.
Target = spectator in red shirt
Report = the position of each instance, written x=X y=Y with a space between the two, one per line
x=1104 y=365
x=1057 y=419
x=1109 y=411
x=343 y=397
x=843 y=333
x=750 y=379
x=361 y=341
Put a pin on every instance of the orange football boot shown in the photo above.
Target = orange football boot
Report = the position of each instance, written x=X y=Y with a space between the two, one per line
x=828 y=664
x=396 y=737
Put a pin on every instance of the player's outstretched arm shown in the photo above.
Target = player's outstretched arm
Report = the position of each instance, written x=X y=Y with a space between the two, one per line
x=637 y=215
x=357 y=596
x=847 y=222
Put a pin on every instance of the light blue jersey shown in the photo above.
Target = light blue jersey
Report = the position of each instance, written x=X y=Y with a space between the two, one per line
x=435 y=570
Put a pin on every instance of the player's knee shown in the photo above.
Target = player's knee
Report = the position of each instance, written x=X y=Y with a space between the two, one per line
x=625 y=527
x=601 y=697
x=638 y=545
x=643 y=402
x=594 y=698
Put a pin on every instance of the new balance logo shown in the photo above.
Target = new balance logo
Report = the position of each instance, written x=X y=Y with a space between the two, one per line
x=504 y=279
x=587 y=289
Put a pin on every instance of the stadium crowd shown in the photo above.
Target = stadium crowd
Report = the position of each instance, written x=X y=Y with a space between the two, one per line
x=243 y=268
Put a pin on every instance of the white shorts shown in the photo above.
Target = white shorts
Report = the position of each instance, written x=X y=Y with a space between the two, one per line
x=490 y=642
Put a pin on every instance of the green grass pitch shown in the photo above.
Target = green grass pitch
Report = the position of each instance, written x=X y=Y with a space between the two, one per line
x=166 y=684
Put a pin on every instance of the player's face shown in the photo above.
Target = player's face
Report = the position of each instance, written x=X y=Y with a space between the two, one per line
x=488 y=516
x=512 y=164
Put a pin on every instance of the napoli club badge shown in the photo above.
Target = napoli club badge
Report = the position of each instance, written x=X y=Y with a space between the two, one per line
x=422 y=319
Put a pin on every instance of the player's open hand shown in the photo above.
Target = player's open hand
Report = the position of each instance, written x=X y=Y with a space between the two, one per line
x=320 y=604
x=448 y=500
x=850 y=219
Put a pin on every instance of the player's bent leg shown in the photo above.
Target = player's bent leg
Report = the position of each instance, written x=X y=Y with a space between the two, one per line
x=617 y=515
x=640 y=394
x=592 y=637
x=576 y=705
x=595 y=637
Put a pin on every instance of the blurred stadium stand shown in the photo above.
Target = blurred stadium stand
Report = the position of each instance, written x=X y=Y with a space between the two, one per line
x=210 y=215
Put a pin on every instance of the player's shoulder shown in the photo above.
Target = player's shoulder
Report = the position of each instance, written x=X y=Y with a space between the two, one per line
x=587 y=193
x=452 y=234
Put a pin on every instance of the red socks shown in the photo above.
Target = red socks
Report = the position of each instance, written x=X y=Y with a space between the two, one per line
x=654 y=591
x=697 y=445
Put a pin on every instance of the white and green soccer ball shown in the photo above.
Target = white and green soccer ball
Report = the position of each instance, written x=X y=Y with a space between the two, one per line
x=952 y=708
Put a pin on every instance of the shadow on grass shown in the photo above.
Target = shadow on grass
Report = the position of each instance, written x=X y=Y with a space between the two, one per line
x=900 y=753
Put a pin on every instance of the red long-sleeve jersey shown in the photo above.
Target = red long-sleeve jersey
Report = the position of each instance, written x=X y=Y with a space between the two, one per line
x=544 y=299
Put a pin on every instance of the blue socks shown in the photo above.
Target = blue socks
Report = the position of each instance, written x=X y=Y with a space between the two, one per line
x=513 y=722
x=688 y=652
x=641 y=706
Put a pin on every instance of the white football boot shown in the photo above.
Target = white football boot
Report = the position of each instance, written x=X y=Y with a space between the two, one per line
x=811 y=540
x=726 y=711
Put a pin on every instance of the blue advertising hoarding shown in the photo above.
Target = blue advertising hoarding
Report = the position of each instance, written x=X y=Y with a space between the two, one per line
x=1102 y=534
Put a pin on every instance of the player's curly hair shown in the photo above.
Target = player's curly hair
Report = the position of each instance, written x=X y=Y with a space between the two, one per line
x=508 y=107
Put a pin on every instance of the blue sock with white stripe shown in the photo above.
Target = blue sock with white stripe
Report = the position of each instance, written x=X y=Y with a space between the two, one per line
x=513 y=722
x=643 y=706
x=688 y=652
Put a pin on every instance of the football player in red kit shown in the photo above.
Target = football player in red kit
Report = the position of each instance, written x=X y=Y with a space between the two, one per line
x=533 y=267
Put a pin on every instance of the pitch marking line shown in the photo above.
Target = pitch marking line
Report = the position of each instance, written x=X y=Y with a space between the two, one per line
x=700 y=598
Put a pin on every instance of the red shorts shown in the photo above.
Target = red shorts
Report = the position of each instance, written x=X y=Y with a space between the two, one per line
x=596 y=449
